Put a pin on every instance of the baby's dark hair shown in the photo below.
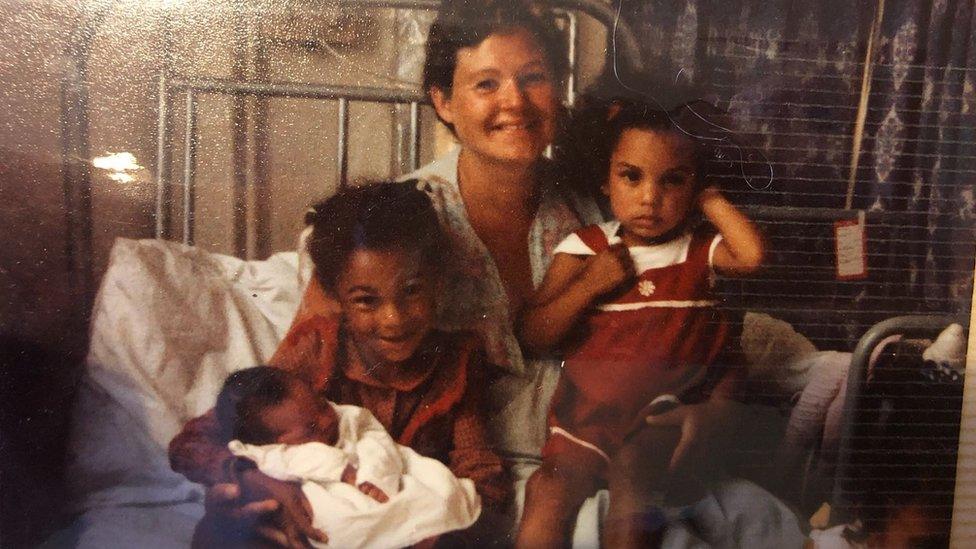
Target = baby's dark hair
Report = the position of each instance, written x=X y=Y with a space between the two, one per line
x=466 y=23
x=245 y=396
x=373 y=216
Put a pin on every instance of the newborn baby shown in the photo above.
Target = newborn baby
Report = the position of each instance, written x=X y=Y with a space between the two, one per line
x=364 y=489
x=276 y=421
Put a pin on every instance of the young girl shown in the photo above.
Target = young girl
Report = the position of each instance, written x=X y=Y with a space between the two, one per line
x=358 y=481
x=378 y=251
x=630 y=303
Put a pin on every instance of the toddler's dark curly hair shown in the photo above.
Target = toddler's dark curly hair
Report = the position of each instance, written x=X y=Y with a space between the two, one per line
x=603 y=113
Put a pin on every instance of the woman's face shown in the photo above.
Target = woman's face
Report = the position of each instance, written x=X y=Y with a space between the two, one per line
x=388 y=304
x=503 y=103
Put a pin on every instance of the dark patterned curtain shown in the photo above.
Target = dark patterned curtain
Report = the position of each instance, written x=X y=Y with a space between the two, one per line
x=791 y=74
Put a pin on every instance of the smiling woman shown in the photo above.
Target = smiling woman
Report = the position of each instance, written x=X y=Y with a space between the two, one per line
x=502 y=101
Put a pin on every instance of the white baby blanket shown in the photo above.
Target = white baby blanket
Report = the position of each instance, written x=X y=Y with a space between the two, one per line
x=426 y=499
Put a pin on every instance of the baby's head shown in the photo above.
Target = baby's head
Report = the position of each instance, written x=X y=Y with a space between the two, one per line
x=267 y=405
x=378 y=249
x=655 y=164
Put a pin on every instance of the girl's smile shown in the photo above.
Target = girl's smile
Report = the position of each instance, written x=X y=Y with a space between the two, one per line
x=387 y=303
x=651 y=184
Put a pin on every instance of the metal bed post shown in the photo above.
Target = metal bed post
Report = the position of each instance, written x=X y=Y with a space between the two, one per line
x=342 y=168
x=162 y=160
x=76 y=175
x=572 y=38
x=912 y=326
x=189 y=167
x=261 y=230
x=624 y=46
x=239 y=138
x=414 y=135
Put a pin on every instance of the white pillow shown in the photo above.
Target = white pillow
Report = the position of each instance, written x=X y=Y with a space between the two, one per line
x=775 y=353
x=169 y=324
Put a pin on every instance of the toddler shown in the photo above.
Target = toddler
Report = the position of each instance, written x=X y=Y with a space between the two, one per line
x=630 y=303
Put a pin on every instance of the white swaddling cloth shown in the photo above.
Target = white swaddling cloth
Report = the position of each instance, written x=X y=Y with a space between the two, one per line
x=426 y=499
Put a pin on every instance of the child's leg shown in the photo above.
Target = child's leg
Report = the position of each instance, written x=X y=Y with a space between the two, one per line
x=637 y=480
x=553 y=496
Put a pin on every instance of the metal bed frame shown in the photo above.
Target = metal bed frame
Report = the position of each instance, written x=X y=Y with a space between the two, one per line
x=76 y=146
x=191 y=88
x=922 y=326
x=174 y=90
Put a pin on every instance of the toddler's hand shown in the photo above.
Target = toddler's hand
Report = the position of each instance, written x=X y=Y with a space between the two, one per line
x=708 y=195
x=374 y=492
x=699 y=423
x=609 y=269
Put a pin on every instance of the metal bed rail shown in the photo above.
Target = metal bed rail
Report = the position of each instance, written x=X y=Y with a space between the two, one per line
x=192 y=88
x=624 y=47
x=911 y=326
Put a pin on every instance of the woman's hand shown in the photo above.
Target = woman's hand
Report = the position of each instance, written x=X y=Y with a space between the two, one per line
x=698 y=422
x=223 y=501
x=257 y=496
x=608 y=269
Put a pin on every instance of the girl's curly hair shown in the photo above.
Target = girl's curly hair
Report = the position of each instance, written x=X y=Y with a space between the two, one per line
x=373 y=216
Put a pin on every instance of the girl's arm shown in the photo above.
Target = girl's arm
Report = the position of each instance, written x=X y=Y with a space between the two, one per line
x=741 y=250
x=569 y=287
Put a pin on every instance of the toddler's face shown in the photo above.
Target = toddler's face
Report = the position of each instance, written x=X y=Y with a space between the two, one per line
x=301 y=418
x=651 y=184
x=387 y=300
